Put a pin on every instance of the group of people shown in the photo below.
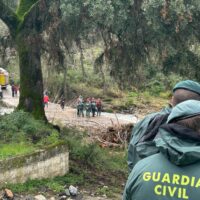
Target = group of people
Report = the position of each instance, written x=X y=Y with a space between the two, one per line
x=89 y=106
x=164 y=150
x=14 y=90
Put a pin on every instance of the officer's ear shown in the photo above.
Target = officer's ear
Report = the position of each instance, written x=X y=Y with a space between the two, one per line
x=172 y=102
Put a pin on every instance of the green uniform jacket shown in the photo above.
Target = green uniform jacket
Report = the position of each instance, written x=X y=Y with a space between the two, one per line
x=138 y=150
x=172 y=174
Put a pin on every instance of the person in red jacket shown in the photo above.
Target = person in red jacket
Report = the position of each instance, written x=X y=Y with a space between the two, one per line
x=46 y=100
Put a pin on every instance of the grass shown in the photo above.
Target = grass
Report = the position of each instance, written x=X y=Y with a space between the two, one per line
x=110 y=171
x=90 y=166
x=54 y=185
x=15 y=149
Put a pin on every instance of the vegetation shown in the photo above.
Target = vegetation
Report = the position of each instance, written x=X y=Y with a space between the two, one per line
x=135 y=44
x=21 y=134
x=141 y=38
x=129 y=53
x=89 y=164
x=26 y=26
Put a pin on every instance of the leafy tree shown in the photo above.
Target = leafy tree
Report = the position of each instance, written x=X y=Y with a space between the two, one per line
x=26 y=25
x=163 y=34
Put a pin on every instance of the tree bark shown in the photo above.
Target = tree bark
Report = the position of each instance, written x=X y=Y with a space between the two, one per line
x=79 y=44
x=31 y=82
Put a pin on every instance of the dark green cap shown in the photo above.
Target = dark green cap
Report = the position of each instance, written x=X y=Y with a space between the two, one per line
x=186 y=109
x=188 y=85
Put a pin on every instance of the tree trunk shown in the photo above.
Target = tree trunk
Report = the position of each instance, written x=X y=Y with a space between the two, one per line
x=26 y=27
x=31 y=90
x=79 y=44
x=82 y=63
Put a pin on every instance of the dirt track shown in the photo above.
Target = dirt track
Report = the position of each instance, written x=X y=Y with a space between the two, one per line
x=68 y=116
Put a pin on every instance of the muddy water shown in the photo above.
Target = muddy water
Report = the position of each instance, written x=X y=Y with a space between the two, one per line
x=125 y=117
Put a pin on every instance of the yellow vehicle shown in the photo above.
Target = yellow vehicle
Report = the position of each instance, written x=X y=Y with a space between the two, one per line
x=4 y=78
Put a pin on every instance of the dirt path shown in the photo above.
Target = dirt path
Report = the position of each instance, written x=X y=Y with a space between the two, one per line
x=68 y=117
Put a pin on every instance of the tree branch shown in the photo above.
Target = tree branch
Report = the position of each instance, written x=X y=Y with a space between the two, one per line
x=40 y=15
x=9 y=18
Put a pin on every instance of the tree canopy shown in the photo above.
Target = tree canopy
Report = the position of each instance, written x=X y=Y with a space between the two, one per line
x=141 y=38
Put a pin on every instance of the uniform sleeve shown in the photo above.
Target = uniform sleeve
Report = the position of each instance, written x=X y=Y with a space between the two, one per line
x=137 y=133
x=130 y=184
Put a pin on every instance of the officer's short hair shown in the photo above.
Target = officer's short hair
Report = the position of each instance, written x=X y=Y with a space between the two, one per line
x=181 y=95
x=192 y=123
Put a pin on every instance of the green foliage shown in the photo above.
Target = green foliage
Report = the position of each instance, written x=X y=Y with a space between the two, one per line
x=161 y=86
x=50 y=139
x=155 y=87
x=20 y=133
x=104 y=191
x=91 y=154
x=86 y=90
x=141 y=39
x=13 y=149
x=24 y=7
x=87 y=162
x=20 y=126
x=11 y=3
x=56 y=184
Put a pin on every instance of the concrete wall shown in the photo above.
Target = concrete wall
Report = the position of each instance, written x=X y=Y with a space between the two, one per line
x=51 y=162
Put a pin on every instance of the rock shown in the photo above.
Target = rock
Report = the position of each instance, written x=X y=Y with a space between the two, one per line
x=21 y=197
x=9 y=194
x=67 y=192
x=29 y=198
x=64 y=197
x=62 y=194
x=1 y=194
x=40 y=197
x=73 y=190
x=52 y=198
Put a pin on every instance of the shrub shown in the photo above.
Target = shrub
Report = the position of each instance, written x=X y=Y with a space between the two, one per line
x=20 y=126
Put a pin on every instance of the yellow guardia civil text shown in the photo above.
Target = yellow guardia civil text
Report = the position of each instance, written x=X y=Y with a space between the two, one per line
x=172 y=185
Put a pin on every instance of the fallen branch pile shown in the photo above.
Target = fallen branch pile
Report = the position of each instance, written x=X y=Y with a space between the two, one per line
x=116 y=136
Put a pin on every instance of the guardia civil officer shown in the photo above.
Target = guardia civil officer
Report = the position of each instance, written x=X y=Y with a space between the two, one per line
x=141 y=144
x=174 y=173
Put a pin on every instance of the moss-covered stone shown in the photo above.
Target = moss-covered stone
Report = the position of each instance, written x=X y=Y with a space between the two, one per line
x=28 y=159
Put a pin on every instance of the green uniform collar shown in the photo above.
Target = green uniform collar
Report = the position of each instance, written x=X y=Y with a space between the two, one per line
x=186 y=109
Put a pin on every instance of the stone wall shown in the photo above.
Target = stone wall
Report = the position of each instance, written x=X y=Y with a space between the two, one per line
x=51 y=162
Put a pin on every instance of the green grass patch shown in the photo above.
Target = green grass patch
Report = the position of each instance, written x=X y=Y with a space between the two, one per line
x=22 y=127
x=20 y=134
x=15 y=149
x=55 y=185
